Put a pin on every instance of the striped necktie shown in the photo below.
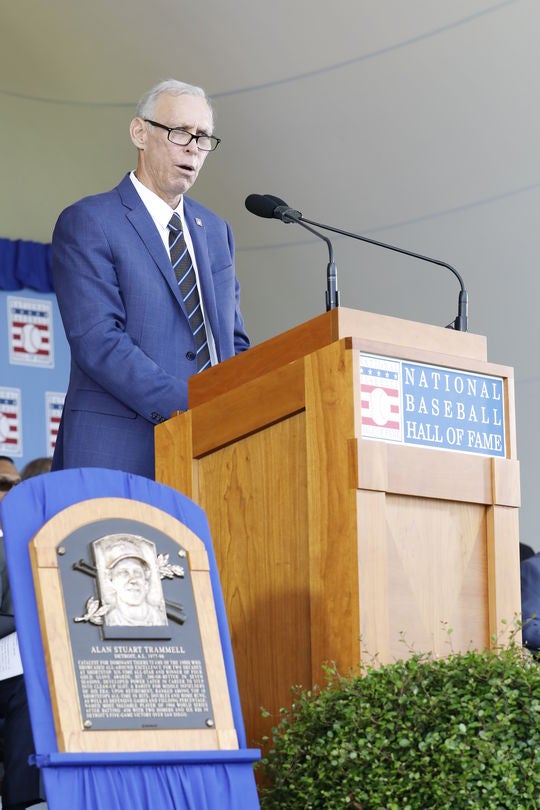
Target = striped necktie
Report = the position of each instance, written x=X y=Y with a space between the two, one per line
x=187 y=283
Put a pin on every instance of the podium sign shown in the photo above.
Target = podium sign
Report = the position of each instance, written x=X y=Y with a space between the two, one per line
x=432 y=406
x=129 y=628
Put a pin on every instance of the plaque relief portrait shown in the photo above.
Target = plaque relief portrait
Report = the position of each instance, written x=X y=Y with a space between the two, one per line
x=128 y=581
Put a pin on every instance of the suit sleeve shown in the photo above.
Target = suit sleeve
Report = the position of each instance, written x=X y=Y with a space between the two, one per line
x=93 y=308
x=241 y=339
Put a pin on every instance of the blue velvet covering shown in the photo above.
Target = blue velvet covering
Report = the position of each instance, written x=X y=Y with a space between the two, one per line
x=25 y=264
x=214 y=780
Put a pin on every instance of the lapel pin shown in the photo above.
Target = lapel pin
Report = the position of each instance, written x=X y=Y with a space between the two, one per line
x=198 y=222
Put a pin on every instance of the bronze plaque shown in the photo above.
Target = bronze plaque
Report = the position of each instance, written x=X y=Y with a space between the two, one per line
x=133 y=628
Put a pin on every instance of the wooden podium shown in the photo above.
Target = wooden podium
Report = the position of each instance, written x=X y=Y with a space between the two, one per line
x=333 y=546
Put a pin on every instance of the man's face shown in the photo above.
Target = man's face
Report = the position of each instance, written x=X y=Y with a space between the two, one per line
x=8 y=477
x=129 y=580
x=167 y=169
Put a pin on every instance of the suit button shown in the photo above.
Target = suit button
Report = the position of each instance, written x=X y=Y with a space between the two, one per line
x=191 y=355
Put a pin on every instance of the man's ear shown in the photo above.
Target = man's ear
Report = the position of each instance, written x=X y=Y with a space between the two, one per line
x=138 y=131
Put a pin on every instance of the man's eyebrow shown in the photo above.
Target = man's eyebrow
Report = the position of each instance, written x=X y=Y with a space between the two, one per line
x=187 y=128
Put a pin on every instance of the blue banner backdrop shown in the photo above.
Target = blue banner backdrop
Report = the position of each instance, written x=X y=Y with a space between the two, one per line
x=25 y=264
x=34 y=353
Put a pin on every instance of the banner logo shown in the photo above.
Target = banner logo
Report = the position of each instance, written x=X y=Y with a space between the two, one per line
x=54 y=404
x=10 y=422
x=30 y=332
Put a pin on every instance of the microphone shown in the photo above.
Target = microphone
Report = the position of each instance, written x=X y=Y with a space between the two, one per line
x=265 y=205
x=280 y=210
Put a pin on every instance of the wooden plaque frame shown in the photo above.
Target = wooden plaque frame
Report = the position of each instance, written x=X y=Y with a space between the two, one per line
x=69 y=723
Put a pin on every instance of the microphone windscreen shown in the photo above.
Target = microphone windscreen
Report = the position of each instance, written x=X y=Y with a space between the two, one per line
x=260 y=205
x=276 y=200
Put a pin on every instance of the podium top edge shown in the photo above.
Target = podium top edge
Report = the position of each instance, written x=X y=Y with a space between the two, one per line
x=328 y=328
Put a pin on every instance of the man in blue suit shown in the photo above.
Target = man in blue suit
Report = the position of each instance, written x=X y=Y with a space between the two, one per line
x=132 y=346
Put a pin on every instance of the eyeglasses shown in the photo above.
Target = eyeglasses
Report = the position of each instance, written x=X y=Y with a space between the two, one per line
x=181 y=137
x=8 y=483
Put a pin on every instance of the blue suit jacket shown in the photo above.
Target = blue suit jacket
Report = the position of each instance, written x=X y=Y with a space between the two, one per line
x=530 y=601
x=132 y=350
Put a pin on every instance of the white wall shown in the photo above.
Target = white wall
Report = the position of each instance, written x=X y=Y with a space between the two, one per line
x=416 y=123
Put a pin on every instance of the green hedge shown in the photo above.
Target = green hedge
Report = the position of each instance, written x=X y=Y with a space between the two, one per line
x=458 y=732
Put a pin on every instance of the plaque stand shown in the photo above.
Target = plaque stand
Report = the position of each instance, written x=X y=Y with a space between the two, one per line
x=174 y=750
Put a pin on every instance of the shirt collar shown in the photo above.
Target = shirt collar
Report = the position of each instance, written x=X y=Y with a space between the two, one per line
x=160 y=211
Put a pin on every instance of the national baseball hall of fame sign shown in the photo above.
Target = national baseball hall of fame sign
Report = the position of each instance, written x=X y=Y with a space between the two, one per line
x=411 y=403
x=130 y=632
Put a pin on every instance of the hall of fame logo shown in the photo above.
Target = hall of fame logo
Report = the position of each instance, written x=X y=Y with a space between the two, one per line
x=54 y=404
x=10 y=422
x=380 y=386
x=30 y=332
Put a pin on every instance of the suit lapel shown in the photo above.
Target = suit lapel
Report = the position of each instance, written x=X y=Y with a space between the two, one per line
x=197 y=231
x=144 y=225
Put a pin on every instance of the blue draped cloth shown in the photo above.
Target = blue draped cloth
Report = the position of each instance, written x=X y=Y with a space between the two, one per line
x=195 y=780
x=25 y=264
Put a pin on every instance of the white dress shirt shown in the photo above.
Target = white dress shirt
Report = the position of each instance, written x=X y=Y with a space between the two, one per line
x=161 y=214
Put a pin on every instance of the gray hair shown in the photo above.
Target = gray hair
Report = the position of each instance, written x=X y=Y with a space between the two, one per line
x=170 y=87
